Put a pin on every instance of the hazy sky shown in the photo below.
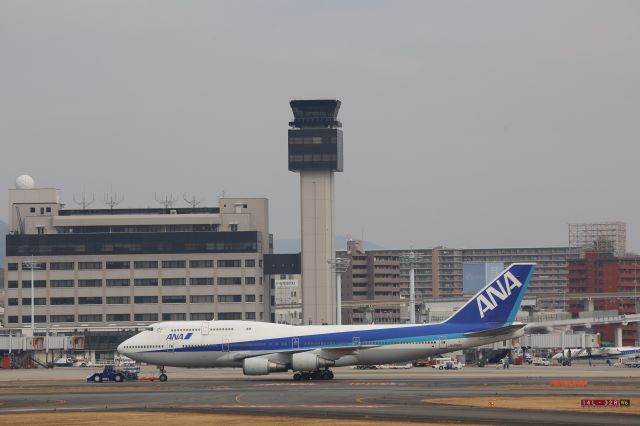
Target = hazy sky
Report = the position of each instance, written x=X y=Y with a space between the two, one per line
x=466 y=123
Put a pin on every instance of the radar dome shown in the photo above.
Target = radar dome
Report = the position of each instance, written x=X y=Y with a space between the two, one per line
x=24 y=182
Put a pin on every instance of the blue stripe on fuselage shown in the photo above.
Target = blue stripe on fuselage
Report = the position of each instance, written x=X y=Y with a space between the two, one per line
x=375 y=337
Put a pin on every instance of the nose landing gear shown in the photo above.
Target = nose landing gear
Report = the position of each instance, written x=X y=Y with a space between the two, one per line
x=163 y=375
x=314 y=375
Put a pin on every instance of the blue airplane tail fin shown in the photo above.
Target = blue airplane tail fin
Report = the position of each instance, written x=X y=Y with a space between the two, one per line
x=499 y=301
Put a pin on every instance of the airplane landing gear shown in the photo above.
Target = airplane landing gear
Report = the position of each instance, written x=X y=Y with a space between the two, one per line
x=314 y=375
x=163 y=375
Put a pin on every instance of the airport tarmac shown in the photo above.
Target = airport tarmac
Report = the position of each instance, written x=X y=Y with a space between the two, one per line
x=473 y=395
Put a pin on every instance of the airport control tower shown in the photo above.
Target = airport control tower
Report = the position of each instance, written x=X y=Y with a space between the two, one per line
x=315 y=151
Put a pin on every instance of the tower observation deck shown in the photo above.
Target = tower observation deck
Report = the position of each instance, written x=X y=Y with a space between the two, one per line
x=315 y=151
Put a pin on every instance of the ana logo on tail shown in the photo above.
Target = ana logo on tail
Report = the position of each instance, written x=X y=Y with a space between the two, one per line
x=487 y=299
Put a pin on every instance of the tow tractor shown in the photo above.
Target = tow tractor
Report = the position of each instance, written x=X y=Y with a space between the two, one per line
x=110 y=374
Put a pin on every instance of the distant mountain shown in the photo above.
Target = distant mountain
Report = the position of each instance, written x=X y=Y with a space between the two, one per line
x=293 y=246
x=4 y=228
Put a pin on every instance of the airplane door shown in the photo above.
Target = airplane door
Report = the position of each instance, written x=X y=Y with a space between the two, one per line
x=204 y=330
x=356 y=341
x=225 y=344
x=169 y=345
x=442 y=341
x=295 y=343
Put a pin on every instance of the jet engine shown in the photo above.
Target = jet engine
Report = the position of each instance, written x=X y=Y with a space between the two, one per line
x=309 y=362
x=260 y=366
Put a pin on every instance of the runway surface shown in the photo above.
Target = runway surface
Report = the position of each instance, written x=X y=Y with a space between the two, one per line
x=383 y=394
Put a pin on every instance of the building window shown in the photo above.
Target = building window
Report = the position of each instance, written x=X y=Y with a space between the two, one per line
x=118 y=317
x=233 y=227
x=36 y=318
x=61 y=283
x=12 y=266
x=36 y=284
x=251 y=298
x=174 y=281
x=32 y=210
x=12 y=284
x=229 y=263
x=145 y=264
x=229 y=280
x=62 y=318
x=26 y=301
x=145 y=299
x=230 y=316
x=90 y=318
x=201 y=263
x=201 y=281
x=12 y=319
x=174 y=264
x=145 y=282
x=250 y=315
x=89 y=283
x=202 y=298
x=62 y=301
x=250 y=280
x=249 y=263
x=118 y=282
x=118 y=300
x=89 y=265
x=48 y=209
x=42 y=266
x=13 y=301
x=230 y=298
x=174 y=317
x=118 y=265
x=145 y=317
x=201 y=316
x=61 y=266
x=89 y=300
x=174 y=299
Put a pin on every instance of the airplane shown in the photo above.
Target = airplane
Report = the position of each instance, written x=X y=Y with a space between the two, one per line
x=599 y=353
x=261 y=348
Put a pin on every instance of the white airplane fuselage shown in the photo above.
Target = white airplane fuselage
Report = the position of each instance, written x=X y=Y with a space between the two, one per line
x=220 y=343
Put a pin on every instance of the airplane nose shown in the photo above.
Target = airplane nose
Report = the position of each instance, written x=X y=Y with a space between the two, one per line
x=121 y=348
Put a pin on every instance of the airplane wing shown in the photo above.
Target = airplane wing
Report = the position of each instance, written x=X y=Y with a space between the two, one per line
x=326 y=353
x=495 y=331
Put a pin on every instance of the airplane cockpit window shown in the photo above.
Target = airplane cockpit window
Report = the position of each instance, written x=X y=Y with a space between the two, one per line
x=148 y=329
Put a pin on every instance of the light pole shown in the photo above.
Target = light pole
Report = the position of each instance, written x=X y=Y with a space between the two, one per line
x=339 y=265
x=31 y=264
x=411 y=260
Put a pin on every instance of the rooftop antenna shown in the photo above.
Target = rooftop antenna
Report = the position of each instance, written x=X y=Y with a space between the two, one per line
x=83 y=202
x=192 y=201
x=166 y=200
x=112 y=199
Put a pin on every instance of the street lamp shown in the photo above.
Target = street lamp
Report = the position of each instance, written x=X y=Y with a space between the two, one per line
x=339 y=265
x=31 y=264
x=411 y=260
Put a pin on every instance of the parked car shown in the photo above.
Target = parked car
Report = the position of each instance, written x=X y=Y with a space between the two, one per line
x=541 y=361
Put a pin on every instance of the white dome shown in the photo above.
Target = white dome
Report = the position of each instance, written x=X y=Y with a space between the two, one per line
x=24 y=182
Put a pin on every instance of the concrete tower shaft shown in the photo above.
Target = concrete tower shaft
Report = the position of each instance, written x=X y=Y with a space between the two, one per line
x=315 y=151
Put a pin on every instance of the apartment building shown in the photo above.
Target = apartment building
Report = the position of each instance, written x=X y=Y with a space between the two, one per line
x=370 y=277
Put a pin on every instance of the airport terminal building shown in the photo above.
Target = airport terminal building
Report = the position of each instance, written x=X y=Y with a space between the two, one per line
x=130 y=267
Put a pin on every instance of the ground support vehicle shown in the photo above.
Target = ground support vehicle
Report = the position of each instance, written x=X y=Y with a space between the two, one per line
x=110 y=374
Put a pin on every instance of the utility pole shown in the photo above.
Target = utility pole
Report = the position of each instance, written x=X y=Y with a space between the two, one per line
x=411 y=260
